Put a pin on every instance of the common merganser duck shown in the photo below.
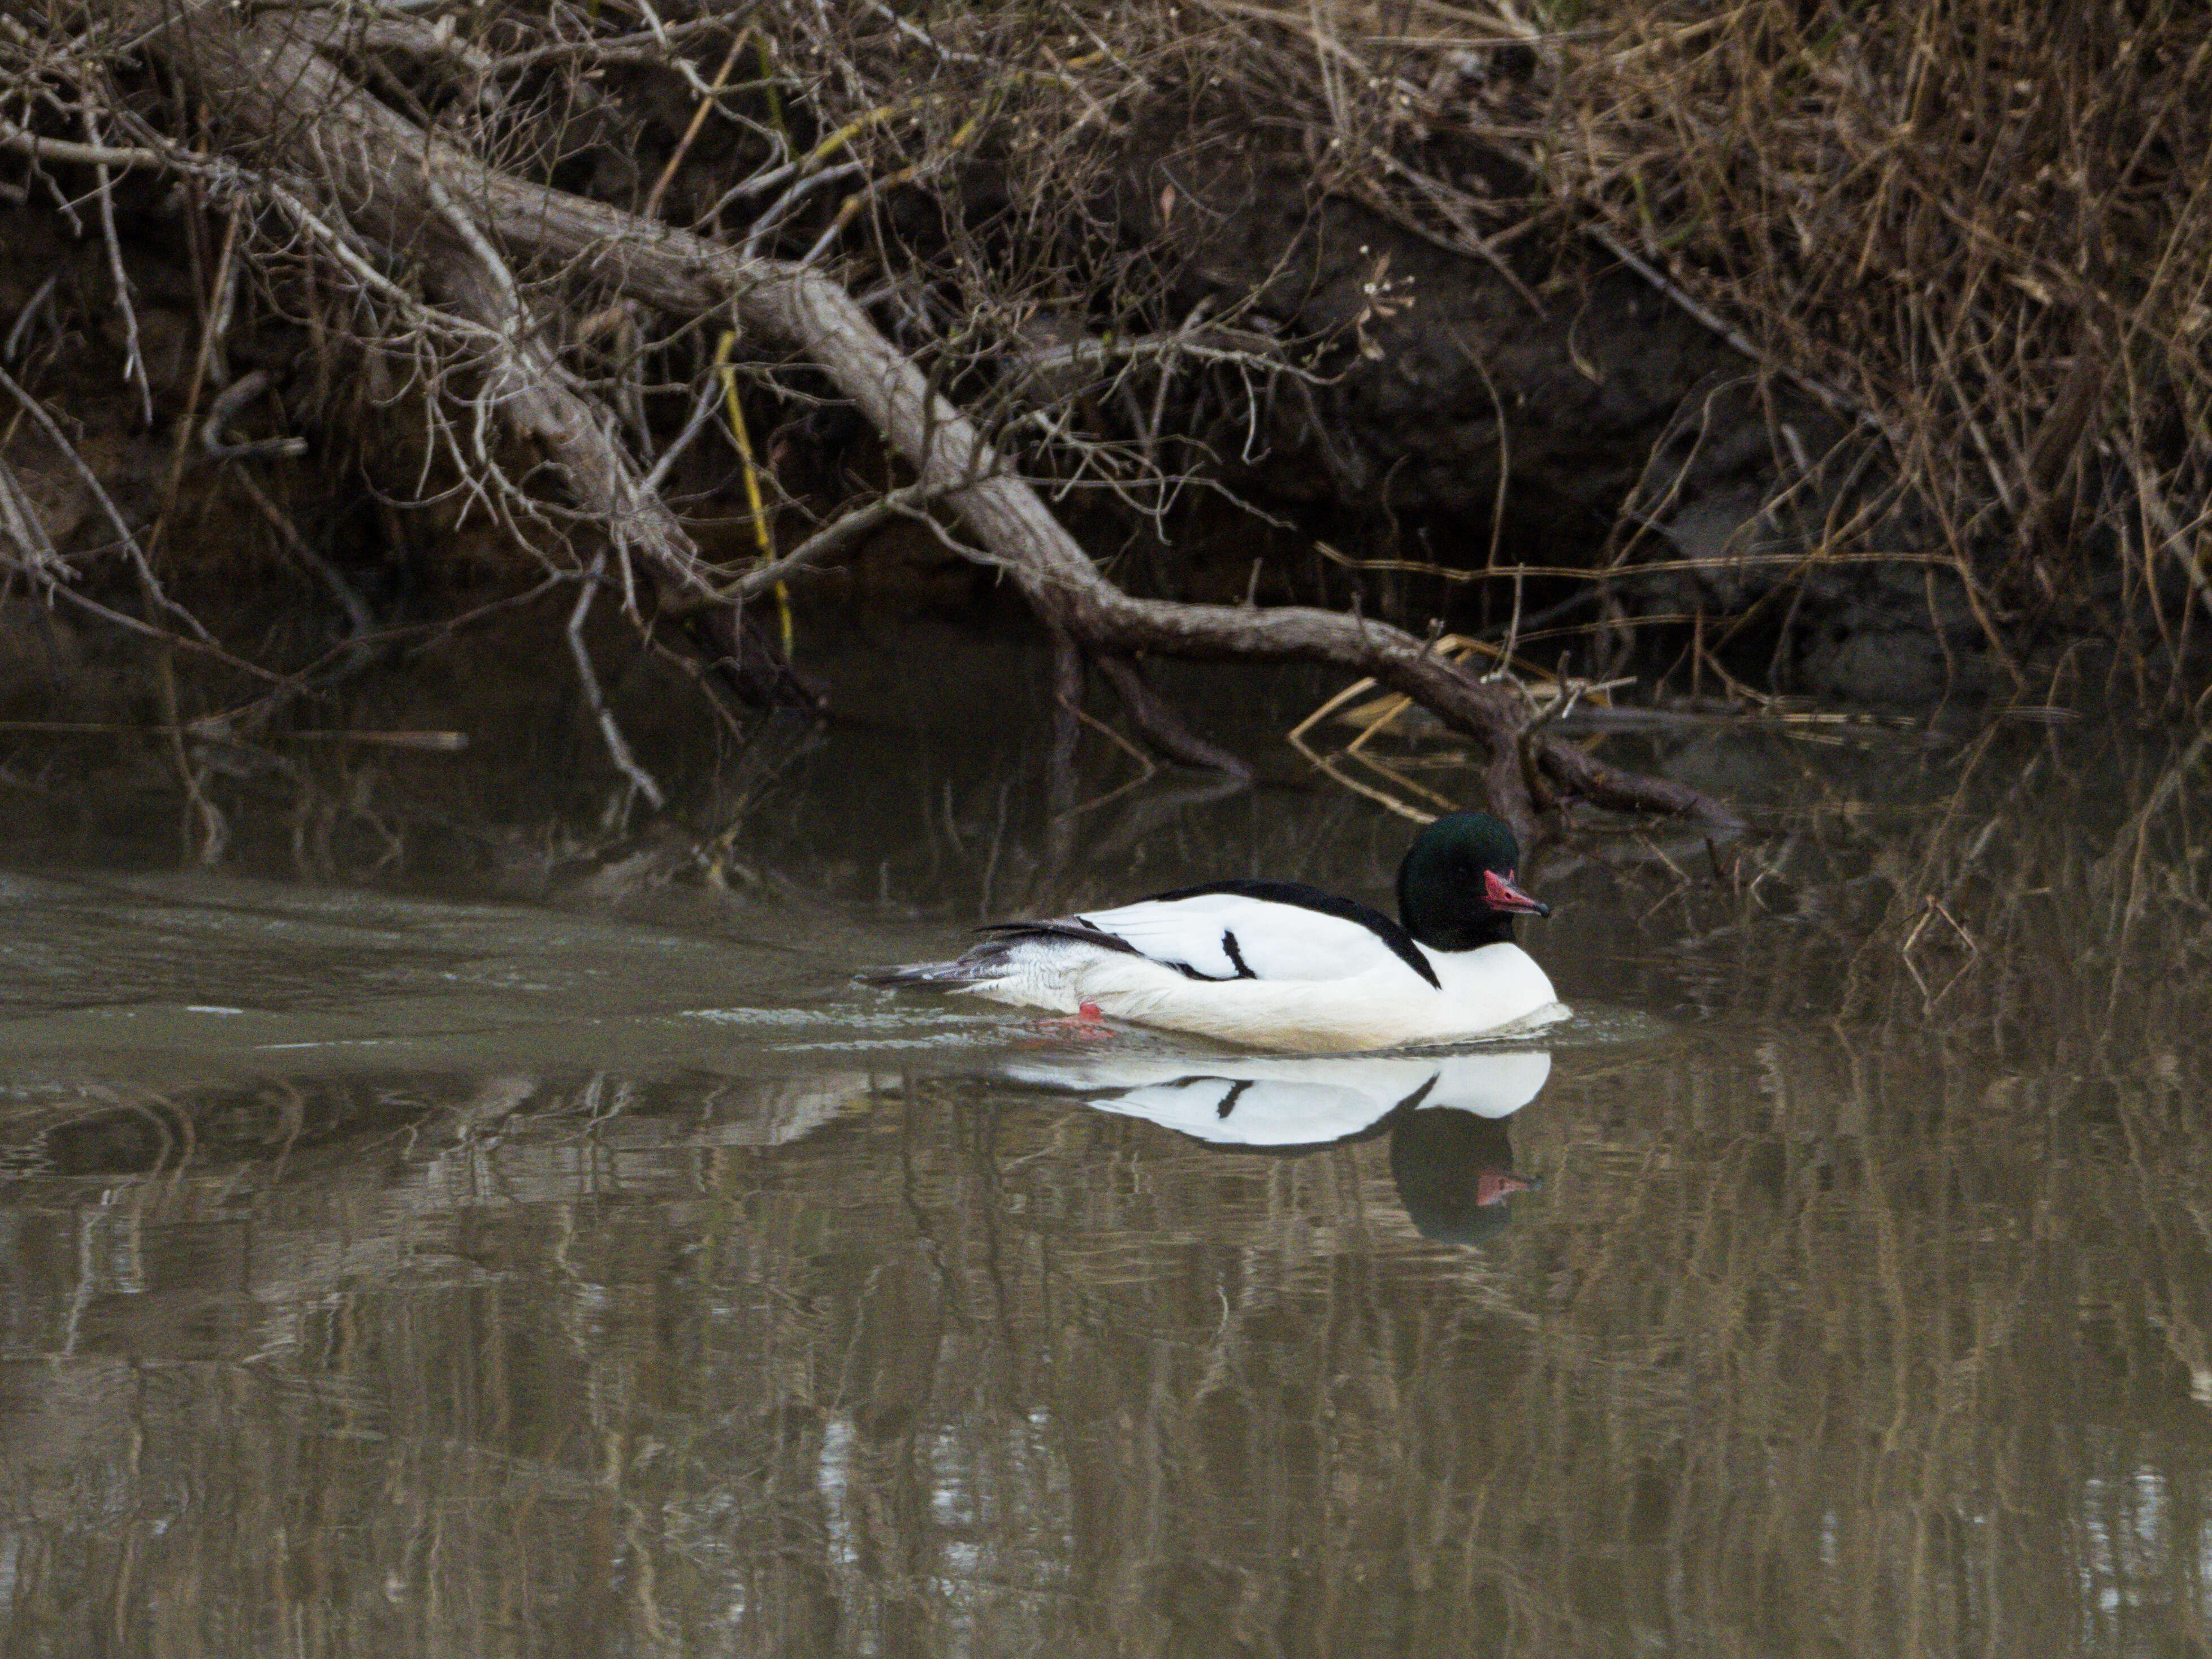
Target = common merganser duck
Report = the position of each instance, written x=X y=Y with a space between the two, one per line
x=1278 y=964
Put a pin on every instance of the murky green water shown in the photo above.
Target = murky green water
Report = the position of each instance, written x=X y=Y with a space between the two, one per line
x=392 y=1275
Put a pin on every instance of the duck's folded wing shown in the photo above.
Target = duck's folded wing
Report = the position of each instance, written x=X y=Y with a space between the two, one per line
x=1219 y=933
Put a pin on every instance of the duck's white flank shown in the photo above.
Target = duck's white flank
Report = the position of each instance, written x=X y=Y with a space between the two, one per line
x=1257 y=972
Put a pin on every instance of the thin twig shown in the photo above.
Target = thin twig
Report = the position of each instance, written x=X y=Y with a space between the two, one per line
x=129 y=542
x=226 y=408
x=617 y=746
x=832 y=537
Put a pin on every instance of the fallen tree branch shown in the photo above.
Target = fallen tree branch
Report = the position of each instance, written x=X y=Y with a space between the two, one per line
x=268 y=86
x=1573 y=771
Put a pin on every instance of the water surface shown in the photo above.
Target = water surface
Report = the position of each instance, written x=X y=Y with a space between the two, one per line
x=392 y=1272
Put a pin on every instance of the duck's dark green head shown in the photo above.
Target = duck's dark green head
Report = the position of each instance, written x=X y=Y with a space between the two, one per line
x=1456 y=888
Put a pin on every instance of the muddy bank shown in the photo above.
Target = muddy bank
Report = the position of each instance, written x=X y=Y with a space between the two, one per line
x=1549 y=408
x=1395 y=457
x=1457 y=417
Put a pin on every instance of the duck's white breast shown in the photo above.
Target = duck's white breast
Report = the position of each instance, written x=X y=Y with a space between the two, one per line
x=1381 y=1007
x=1497 y=985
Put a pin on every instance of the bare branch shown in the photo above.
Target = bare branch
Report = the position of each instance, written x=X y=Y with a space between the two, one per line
x=266 y=82
x=129 y=542
x=61 y=150
x=830 y=539
x=226 y=408
x=617 y=746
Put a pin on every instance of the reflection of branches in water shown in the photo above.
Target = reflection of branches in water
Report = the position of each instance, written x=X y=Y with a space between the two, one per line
x=1864 y=1310
x=1999 y=887
x=1831 y=1342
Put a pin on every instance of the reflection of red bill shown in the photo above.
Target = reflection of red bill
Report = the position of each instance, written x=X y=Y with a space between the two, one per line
x=1495 y=1186
x=1505 y=896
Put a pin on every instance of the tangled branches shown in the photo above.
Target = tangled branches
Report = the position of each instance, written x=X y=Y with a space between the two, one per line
x=570 y=239
x=1974 y=232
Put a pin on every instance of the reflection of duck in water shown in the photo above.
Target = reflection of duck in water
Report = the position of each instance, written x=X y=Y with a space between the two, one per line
x=1450 y=1155
x=1277 y=964
x=1454 y=1172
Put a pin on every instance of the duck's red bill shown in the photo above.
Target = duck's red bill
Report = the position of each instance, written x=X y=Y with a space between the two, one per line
x=1505 y=896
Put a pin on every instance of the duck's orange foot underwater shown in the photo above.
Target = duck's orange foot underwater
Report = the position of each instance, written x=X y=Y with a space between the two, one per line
x=1087 y=1025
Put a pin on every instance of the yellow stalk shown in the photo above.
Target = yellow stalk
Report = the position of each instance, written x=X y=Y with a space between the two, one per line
x=753 y=500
